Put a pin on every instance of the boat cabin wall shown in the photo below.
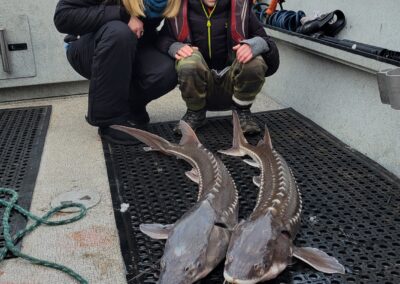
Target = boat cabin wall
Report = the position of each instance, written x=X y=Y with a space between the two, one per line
x=339 y=90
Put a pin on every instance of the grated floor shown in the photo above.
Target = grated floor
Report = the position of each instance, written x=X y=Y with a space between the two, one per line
x=22 y=135
x=351 y=204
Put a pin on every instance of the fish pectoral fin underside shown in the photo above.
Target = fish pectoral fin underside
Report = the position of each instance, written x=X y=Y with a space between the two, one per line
x=156 y=231
x=235 y=152
x=251 y=163
x=257 y=181
x=319 y=260
x=193 y=175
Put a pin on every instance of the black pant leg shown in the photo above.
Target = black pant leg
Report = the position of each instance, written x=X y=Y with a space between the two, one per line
x=110 y=70
x=155 y=74
x=80 y=55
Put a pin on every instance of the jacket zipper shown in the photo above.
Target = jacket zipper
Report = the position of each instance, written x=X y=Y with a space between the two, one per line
x=208 y=24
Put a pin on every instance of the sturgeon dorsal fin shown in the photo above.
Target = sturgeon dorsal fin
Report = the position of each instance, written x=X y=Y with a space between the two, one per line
x=238 y=138
x=188 y=135
x=318 y=259
x=267 y=138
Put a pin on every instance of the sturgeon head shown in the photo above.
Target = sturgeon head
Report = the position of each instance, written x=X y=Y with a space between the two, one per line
x=261 y=247
x=198 y=241
x=195 y=246
x=259 y=250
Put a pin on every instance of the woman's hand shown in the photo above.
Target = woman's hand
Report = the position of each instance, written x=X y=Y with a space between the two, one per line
x=136 y=26
x=243 y=52
x=185 y=51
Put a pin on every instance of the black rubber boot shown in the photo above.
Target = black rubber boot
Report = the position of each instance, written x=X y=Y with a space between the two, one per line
x=118 y=137
x=247 y=121
x=195 y=119
x=140 y=116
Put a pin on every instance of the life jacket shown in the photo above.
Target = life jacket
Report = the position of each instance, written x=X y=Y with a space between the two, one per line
x=238 y=21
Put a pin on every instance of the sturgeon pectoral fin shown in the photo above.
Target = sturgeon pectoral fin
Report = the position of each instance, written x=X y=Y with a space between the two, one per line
x=236 y=152
x=193 y=175
x=156 y=231
x=251 y=163
x=319 y=260
x=257 y=181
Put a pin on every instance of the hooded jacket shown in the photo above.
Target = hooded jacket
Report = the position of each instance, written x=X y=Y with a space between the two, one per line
x=79 y=17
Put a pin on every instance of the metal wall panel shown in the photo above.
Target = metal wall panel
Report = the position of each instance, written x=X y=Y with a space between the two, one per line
x=17 y=48
x=47 y=45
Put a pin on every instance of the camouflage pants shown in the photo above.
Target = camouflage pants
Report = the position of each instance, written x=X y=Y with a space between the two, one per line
x=201 y=87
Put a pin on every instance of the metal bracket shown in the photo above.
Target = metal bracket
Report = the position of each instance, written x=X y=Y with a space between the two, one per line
x=3 y=51
x=389 y=87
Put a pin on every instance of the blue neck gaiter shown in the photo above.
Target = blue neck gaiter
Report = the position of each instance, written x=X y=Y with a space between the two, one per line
x=155 y=8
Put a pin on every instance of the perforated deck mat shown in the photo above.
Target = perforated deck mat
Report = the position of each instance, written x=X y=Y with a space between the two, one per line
x=22 y=136
x=351 y=204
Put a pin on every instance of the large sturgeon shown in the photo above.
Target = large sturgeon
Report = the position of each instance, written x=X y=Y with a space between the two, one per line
x=262 y=246
x=198 y=241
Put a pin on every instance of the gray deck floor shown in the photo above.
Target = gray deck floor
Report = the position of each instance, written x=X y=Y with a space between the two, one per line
x=73 y=160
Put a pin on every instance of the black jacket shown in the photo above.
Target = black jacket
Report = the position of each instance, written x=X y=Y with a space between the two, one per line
x=221 y=43
x=79 y=17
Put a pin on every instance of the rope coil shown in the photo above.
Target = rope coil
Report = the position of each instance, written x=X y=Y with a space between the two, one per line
x=11 y=240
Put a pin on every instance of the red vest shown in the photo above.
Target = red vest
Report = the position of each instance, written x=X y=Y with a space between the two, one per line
x=238 y=25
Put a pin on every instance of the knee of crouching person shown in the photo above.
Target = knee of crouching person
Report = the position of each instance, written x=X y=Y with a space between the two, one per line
x=117 y=33
x=191 y=65
x=256 y=66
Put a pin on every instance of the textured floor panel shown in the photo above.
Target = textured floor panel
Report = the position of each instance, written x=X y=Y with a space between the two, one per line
x=351 y=204
x=22 y=135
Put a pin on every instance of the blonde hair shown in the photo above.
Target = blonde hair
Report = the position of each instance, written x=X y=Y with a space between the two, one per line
x=136 y=8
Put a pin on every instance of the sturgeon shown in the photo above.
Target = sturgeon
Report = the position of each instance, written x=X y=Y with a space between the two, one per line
x=198 y=241
x=261 y=247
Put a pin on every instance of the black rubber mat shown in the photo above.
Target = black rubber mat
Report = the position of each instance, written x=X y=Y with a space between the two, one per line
x=351 y=204
x=22 y=135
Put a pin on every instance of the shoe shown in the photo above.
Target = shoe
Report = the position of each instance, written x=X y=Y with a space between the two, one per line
x=118 y=137
x=247 y=121
x=195 y=119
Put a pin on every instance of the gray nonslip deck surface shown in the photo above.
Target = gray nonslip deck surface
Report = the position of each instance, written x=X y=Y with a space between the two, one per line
x=351 y=204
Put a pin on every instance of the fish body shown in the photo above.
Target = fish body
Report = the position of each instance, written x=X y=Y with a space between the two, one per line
x=198 y=241
x=261 y=246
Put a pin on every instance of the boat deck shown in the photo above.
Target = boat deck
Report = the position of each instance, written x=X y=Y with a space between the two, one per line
x=73 y=159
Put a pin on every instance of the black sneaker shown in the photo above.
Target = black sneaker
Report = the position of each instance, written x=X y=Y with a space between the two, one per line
x=195 y=119
x=118 y=137
x=247 y=121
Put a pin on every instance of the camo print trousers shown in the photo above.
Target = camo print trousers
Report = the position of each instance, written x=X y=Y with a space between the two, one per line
x=204 y=88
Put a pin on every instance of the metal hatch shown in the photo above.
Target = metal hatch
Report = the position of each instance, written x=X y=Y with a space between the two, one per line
x=16 y=52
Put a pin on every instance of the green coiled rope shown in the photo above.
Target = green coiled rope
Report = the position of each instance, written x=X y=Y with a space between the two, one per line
x=11 y=240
